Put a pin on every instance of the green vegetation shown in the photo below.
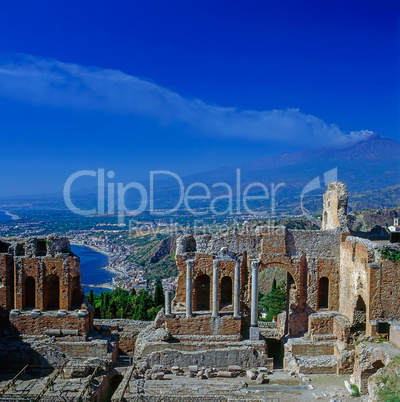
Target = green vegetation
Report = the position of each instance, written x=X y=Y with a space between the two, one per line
x=389 y=381
x=122 y=304
x=391 y=254
x=155 y=254
x=356 y=390
x=273 y=302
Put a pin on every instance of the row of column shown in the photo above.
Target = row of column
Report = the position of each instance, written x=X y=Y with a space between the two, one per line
x=215 y=290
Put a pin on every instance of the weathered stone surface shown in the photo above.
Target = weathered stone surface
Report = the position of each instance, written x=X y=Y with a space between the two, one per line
x=158 y=376
x=251 y=375
x=225 y=374
x=40 y=260
x=261 y=379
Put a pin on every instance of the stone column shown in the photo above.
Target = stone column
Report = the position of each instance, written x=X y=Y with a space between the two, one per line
x=189 y=288
x=254 y=293
x=236 y=291
x=168 y=303
x=215 y=289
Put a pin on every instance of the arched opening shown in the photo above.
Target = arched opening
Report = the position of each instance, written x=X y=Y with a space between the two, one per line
x=113 y=385
x=323 y=293
x=359 y=315
x=77 y=296
x=202 y=289
x=277 y=300
x=3 y=247
x=52 y=300
x=30 y=292
x=41 y=248
x=365 y=374
x=190 y=245
x=226 y=291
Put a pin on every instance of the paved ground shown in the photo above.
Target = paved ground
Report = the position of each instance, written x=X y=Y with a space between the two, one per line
x=280 y=388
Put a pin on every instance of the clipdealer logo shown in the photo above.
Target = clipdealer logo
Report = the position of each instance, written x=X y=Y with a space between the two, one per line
x=111 y=195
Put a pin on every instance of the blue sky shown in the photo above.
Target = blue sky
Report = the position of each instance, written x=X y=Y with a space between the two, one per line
x=187 y=85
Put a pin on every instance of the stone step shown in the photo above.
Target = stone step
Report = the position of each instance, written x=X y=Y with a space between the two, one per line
x=322 y=337
x=323 y=364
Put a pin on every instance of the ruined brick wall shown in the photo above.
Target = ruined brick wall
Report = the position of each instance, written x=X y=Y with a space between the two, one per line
x=335 y=207
x=126 y=344
x=384 y=288
x=394 y=335
x=39 y=273
x=353 y=277
x=365 y=273
x=204 y=325
x=307 y=256
x=320 y=323
x=6 y=281
x=26 y=324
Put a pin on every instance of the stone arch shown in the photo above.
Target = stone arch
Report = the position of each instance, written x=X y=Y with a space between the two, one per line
x=29 y=292
x=323 y=292
x=293 y=297
x=52 y=294
x=113 y=384
x=226 y=291
x=368 y=372
x=359 y=315
x=202 y=289
x=294 y=278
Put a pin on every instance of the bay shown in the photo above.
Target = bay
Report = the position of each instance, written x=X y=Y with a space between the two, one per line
x=92 y=264
x=4 y=217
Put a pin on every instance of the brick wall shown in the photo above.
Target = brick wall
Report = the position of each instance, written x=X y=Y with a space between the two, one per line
x=204 y=325
x=25 y=324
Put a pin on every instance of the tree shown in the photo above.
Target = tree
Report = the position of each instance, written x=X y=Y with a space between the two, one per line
x=158 y=294
x=273 y=284
x=274 y=302
x=143 y=304
x=91 y=298
x=133 y=291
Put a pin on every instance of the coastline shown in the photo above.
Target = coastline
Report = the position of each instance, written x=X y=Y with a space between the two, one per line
x=106 y=285
x=94 y=248
x=13 y=217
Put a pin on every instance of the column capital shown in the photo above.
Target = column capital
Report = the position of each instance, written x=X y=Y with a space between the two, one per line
x=255 y=264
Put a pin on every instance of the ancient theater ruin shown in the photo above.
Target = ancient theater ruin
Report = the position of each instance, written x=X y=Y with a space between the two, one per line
x=338 y=287
x=40 y=283
x=343 y=294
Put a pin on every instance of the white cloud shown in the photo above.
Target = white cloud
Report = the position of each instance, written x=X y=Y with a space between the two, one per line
x=47 y=81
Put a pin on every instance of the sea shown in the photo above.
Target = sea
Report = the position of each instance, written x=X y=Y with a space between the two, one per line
x=4 y=216
x=92 y=264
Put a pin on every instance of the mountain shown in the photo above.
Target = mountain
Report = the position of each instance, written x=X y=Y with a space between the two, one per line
x=371 y=169
x=376 y=154
x=368 y=165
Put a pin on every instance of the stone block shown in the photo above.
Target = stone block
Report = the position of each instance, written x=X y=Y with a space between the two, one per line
x=261 y=379
x=251 y=375
x=234 y=368
x=157 y=376
x=254 y=333
x=225 y=374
